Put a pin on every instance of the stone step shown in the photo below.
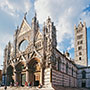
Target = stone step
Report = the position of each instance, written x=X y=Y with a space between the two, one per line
x=46 y=88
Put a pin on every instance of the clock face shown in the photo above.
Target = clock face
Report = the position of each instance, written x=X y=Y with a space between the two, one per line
x=23 y=45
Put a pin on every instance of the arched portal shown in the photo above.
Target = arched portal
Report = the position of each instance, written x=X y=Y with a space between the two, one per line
x=10 y=79
x=34 y=71
x=20 y=73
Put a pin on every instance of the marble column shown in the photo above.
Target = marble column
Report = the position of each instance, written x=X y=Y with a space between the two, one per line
x=27 y=75
x=15 y=75
x=42 y=76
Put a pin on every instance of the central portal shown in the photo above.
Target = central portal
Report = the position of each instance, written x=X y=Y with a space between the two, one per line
x=34 y=72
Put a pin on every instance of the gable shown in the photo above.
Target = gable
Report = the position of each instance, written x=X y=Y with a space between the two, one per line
x=25 y=27
x=39 y=35
x=36 y=54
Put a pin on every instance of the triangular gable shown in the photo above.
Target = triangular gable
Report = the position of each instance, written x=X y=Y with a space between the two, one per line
x=35 y=54
x=39 y=35
x=25 y=27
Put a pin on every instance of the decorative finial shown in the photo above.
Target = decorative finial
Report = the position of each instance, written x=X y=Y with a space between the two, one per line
x=49 y=19
x=25 y=15
x=80 y=20
x=17 y=27
x=35 y=14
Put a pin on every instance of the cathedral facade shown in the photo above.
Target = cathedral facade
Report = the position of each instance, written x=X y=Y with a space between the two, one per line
x=33 y=57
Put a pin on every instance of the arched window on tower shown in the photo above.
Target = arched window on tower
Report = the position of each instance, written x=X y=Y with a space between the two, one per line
x=67 y=68
x=83 y=74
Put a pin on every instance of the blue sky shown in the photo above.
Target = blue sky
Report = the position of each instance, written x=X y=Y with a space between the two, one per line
x=64 y=14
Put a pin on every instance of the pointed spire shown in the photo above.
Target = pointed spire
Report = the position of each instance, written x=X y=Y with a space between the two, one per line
x=17 y=27
x=25 y=15
x=35 y=17
x=80 y=21
x=37 y=24
x=9 y=43
x=35 y=14
x=44 y=27
x=49 y=19
x=16 y=31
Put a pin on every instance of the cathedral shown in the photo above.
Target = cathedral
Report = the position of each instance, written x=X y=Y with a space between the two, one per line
x=33 y=57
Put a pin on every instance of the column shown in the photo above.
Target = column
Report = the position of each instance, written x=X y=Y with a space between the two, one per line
x=41 y=77
x=15 y=75
x=27 y=75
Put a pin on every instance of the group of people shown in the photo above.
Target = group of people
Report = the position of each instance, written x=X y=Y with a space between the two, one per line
x=28 y=84
x=16 y=84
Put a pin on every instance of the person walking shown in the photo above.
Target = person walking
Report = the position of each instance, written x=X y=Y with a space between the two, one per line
x=5 y=88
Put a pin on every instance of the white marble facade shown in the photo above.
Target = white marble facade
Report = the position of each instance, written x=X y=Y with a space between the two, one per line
x=33 y=57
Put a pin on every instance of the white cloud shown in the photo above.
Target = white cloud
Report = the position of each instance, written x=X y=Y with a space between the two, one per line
x=6 y=37
x=71 y=45
x=64 y=13
x=13 y=7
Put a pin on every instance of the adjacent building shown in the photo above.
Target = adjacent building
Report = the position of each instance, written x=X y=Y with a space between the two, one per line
x=81 y=58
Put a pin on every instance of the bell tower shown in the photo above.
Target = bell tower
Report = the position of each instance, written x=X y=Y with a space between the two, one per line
x=50 y=42
x=81 y=58
x=35 y=27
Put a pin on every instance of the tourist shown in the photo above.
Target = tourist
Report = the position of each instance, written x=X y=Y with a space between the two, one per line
x=10 y=83
x=29 y=84
x=40 y=86
x=26 y=84
x=5 y=87
x=17 y=84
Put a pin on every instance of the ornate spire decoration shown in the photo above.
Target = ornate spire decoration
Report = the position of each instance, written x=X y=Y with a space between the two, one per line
x=35 y=17
x=17 y=27
x=25 y=15
x=81 y=21
x=35 y=14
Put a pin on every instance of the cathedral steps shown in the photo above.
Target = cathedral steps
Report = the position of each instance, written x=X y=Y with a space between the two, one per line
x=44 y=88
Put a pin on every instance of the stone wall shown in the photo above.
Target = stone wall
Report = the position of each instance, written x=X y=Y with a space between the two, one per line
x=60 y=78
x=47 y=79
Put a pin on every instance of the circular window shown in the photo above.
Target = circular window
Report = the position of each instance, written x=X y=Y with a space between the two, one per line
x=23 y=45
